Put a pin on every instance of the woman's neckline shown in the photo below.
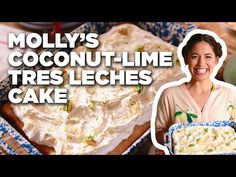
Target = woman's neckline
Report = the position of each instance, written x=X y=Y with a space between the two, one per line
x=201 y=109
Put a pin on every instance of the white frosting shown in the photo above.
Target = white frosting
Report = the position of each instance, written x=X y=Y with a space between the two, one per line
x=204 y=140
x=99 y=118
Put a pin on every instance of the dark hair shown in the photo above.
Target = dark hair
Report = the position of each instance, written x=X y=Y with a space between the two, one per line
x=216 y=46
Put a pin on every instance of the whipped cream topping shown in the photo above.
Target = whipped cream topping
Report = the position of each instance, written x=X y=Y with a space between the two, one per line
x=97 y=119
x=204 y=140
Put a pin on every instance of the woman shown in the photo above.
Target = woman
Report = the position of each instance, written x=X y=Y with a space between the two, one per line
x=199 y=100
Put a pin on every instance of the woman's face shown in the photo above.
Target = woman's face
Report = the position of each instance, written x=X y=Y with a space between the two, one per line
x=201 y=60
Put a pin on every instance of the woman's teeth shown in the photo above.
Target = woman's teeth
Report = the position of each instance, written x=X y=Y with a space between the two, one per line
x=201 y=70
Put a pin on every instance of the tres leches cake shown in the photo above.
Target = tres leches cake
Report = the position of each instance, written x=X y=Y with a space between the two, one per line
x=97 y=119
x=204 y=140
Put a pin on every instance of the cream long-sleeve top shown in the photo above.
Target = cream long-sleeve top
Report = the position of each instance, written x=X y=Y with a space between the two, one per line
x=176 y=105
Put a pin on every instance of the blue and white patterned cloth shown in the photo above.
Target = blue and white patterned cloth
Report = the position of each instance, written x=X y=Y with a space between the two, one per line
x=6 y=128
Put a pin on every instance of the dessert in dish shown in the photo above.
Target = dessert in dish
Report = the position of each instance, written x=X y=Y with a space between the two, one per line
x=204 y=140
x=97 y=119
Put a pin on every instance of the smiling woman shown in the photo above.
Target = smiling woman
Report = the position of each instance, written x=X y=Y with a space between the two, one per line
x=201 y=53
x=200 y=99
